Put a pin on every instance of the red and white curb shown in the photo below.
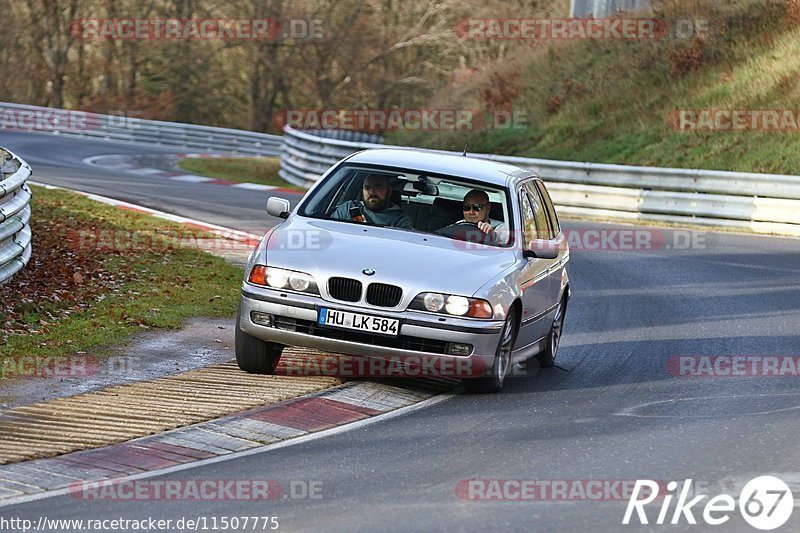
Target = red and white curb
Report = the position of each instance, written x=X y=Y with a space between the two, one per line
x=106 y=161
x=258 y=430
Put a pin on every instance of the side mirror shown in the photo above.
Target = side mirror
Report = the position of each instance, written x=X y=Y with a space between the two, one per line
x=278 y=207
x=541 y=250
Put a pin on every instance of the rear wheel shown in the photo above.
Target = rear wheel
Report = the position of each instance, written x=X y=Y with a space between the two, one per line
x=502 y=360
x=254 y=355
x=548 y=356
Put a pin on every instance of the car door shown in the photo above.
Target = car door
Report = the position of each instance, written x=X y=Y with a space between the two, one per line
x=557 y=239
x=535 y=277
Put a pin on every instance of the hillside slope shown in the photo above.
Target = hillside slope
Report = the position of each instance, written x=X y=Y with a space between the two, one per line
x=616 y=101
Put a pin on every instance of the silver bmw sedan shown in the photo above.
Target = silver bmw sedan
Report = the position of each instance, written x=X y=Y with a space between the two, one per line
x=450 y=265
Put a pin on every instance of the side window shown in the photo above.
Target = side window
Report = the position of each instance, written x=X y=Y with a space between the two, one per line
x=539 y=212
x=348 y=188
x=551 y=210
x=529 y=229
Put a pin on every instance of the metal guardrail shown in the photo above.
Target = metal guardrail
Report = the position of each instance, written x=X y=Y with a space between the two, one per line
x=763 y=203
x=352 y=136
x=604 y=8
x=15 y=213
x=305 y=157
x=87 y=125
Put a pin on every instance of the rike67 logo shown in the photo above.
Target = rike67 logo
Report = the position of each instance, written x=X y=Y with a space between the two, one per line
x=765 y=503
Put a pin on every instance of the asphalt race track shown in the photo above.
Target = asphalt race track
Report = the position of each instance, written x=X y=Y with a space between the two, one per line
x=616 y=409
x=59 y=161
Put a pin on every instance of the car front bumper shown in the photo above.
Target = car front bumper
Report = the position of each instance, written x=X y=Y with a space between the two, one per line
x=424 y=336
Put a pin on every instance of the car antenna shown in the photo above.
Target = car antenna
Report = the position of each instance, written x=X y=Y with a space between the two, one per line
x=465 y=150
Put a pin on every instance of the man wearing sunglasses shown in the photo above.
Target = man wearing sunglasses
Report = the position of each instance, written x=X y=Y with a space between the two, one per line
x=476 y=211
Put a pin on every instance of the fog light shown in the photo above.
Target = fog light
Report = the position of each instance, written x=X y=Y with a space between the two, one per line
x=262 y=319
x=455 y=348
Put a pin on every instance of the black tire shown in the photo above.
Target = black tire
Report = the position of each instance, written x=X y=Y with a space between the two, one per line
x=502 y=360
x=253 y=355
x=548 y=357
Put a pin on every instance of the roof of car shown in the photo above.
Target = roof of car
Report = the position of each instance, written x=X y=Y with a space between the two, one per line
x=490 y=172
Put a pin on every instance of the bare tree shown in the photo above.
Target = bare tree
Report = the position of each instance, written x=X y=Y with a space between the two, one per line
x=50 y=22
x=372 y=54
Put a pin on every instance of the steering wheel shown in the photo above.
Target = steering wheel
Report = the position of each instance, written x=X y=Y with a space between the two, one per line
x=464 y=230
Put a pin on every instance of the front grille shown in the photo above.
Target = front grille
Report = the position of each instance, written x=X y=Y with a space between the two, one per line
x=384 y=295
x=404 y=342
x=344 y=289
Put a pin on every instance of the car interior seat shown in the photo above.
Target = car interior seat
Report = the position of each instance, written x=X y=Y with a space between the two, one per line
x=496 y=212
x=444 y=212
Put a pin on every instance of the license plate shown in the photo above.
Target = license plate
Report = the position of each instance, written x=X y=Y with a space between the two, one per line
x=358 y=322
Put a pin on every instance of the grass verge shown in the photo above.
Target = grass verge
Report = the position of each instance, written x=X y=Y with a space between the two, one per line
x=99 y=274
x=261 y=170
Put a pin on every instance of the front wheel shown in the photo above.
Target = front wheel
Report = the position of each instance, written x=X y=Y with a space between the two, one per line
x=253 y=355
x=502 y=360
x=548 y=356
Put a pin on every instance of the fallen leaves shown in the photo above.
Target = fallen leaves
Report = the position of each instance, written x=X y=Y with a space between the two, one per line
x=63 y=277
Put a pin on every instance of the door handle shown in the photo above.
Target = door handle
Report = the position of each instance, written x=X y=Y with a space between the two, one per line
x=556 y=266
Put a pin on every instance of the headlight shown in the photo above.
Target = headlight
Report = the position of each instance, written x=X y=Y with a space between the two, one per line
x=457 y=305
x=433 y=301
x=451 y=304
x=279 y=278
x=299 y=281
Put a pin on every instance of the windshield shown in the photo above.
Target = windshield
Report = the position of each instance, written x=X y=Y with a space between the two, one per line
x=409 y=200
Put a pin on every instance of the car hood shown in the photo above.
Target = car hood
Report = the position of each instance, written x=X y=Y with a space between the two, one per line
x=417 y=262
